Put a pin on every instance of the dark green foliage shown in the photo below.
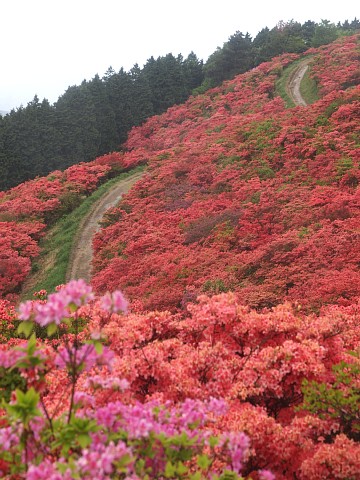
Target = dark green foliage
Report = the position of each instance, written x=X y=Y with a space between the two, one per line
x=104 y=116
x=325 y=32
x=171 y=79
x=142 y=104
x=339 y=401
x=91 y=119
x=233 y=58
x=95 y=117
x=77 y=125
x=10 y=381
x=285 y=37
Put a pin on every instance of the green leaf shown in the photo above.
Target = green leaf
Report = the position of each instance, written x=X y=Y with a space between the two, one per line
x=204 y=462
x=26 y=328
x=229 y=475
x=51 y=329
x=84 y=440
x=213 y=441
x=98 y=347
x=196 y=476
x=25 y=407
x=181 y=469
x=73 y=307
x=31 y=345
x=169 y=470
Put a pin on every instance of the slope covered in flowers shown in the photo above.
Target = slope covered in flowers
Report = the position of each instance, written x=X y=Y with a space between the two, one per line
x=26 y=211
x=259 y=382
x=243 y=194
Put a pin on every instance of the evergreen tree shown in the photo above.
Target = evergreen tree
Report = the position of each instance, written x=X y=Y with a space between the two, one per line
x=16 y=139
x=308 y=31
x=293 y=41
x=119 y=88
x=105 y=116
x=355 y=25
x=262 y=46
x=166 y=79
x=325 y=32
x=193 y=72
x=236 y=56
x=76 y=122
x=142 y=107
x=5 y=161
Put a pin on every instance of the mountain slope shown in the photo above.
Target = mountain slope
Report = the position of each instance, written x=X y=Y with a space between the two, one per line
x=240 y=193
x=245 y=195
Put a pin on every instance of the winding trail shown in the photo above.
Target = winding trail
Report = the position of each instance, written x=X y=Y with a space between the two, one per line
x=293 y=85
x=81 y=254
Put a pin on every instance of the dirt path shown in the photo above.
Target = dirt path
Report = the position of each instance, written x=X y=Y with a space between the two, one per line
x=81 y=255
x=293 y=86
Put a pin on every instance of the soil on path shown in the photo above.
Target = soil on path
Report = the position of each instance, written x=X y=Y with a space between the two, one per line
x=293 y=86
x=81 y=255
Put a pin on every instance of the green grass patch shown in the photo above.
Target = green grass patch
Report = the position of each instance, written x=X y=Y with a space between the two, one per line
x=308 y=89
x=49 y=270
x=281 y=83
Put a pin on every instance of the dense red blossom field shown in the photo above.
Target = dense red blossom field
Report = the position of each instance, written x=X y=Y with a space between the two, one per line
x=239 y=254
x=242 y=194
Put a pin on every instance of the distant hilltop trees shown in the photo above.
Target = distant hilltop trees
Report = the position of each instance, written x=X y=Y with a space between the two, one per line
x=95 y=117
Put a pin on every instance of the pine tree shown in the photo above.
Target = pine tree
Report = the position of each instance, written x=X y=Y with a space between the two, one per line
x=76 y=121
x=105 y=116
x=142 y=107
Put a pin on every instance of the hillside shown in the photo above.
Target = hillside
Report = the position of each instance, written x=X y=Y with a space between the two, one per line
x=233 y=350
x=243 y=194
x=96 y=116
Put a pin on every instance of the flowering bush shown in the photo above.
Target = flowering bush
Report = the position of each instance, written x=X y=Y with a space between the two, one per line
x=79 y=439
x=218 y=390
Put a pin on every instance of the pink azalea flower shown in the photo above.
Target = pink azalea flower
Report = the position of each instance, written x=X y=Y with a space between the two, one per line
x=26 y=310
x=77 y=292
x=114 y=302
x=266 y=475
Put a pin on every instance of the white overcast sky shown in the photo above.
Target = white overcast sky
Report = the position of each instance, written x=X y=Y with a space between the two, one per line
x=47 y=45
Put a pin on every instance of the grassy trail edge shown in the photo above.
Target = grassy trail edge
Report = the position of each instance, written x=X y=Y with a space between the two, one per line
x=50 y=268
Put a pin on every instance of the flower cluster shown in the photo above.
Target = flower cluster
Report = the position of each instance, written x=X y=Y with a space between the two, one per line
x=84 y=357
x=114 y=302
x=58 y=305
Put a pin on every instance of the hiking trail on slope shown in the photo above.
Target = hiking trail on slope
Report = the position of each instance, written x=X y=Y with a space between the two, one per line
x=81 y=254
x=293 y=85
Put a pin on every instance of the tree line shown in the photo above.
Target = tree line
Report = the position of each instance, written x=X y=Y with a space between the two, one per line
x=95 y=117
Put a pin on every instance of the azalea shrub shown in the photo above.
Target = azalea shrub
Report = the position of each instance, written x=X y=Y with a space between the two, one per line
x=219 y=392
x=19 y=245
x=80 y=437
